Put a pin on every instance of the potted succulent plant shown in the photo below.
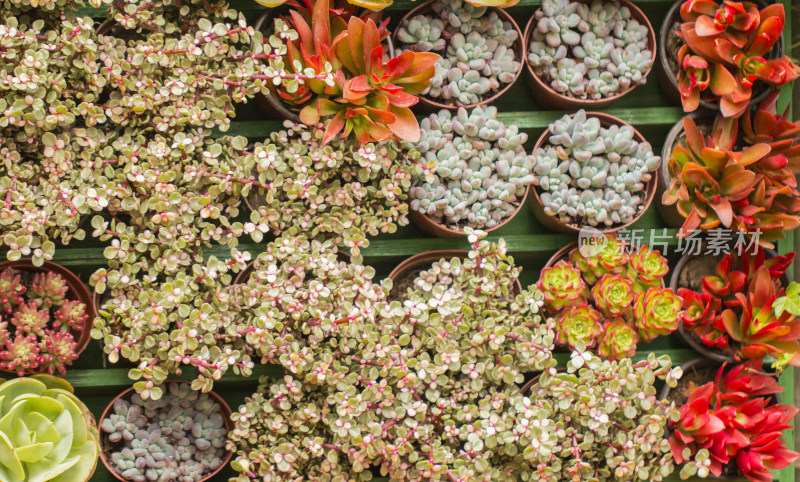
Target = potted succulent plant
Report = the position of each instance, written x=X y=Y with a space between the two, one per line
x=471 y=354
x=337 y=71
x=584 y=54
x=740 y=175
x=344 y=190
x=723 y=56
x=568 y=427
x=179 y=437
x=482 y=173
x=730 y=423
x=414 y=271
x=381 y=4
x=45 y=431
x=46 y=314
x=592 y=169
x=480 y=49
x=736 y=315
x=609 y=299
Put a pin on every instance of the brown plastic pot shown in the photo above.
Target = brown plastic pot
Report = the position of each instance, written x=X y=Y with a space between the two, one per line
x=693 y=341
x=271 y=104
x=547 y=96
x=76 y=290
x=426 y=259
x=226 y=415
x=431 y=105
x=668 y=79
x=428 y=225
x=554 y=223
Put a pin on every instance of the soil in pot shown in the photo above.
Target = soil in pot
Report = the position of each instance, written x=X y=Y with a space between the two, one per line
x=691 y=276
x=480 y=58
x=183 y=434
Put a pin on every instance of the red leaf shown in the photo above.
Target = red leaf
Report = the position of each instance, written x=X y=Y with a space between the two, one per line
x=406 y=126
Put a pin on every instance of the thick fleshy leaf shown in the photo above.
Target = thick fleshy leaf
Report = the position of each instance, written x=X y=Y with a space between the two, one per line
x=406 y=126
x=754 y=154
x=375 y=6
x=768 y=33
x=722 y=81
x=335 y=126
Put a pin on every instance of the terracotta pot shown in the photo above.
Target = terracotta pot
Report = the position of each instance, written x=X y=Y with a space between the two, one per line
x=425 y=260
x=668 y=79
x=693 y=340
x=432 y=105
x=226 y=415
x=669 y=213
x=554 y=223
x=429 y=226
x=547 y=96
x=271 y=104
x=76 y=290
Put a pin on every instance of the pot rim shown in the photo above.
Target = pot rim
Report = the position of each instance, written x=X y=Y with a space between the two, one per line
x=75 y=287
x=519 y=46
x=430 y=257
x=649 y=188
x=226 y=416
x=636 y=14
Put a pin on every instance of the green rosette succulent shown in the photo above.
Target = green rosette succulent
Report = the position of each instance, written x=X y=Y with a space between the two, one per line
x=618 y=340
x=612 y=295
x=646 y=268
x=562 y=286
x=581 y=323
x=656 y=312
x=610 y=259
x=45 y=432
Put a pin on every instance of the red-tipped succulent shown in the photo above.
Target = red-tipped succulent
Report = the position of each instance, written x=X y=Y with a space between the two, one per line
x=29 y=319
x=56 y=351
x=11 y=291
x=365 y=93
x=726 y=52
x=21 y=354
x=48 y=289
x=71 y=316
x=736 y=312
x=736 y=419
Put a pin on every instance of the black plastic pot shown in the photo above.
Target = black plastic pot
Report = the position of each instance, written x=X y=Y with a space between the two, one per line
x=687 y=336
x=668 y=80
x=669 y=213
x=271 y=104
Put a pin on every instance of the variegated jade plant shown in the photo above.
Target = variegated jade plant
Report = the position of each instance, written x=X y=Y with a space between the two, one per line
x=369 y=96
x=726 y=52
x=750 y=188
x=610 y=300
x=737 y=312
x=46 y=433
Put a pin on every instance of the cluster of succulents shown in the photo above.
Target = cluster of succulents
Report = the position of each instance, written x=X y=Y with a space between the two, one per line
x=178 y=438
x=733 y=422
x=376 y=5
x=590 y=175
x=338 y=71
x=711 y=187
x=589 y=50
x=476 y=46
x=343 y=190
x=382 y=392
x=611 y=299
x=598 y=420
x=39 y=324
x=725 y=53
x=737 y=312
x=482 y=171
x=46 y=432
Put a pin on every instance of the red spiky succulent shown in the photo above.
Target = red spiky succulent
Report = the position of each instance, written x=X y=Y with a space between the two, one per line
x=57 y=349
x=21 y=354
x=48 y=289
x=71 y=316
x=11 y=291
x=29 y=319
x=736 y=313
x=736 y=419
x=725 y=56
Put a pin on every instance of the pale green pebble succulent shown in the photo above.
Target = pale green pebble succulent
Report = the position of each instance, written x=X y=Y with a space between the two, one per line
x=592 y=175
x=482 y=169
x=424 y=33
x=557 y=22
x=567 y=76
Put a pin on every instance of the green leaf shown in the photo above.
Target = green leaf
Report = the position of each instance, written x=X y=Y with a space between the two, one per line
x=790 y=302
